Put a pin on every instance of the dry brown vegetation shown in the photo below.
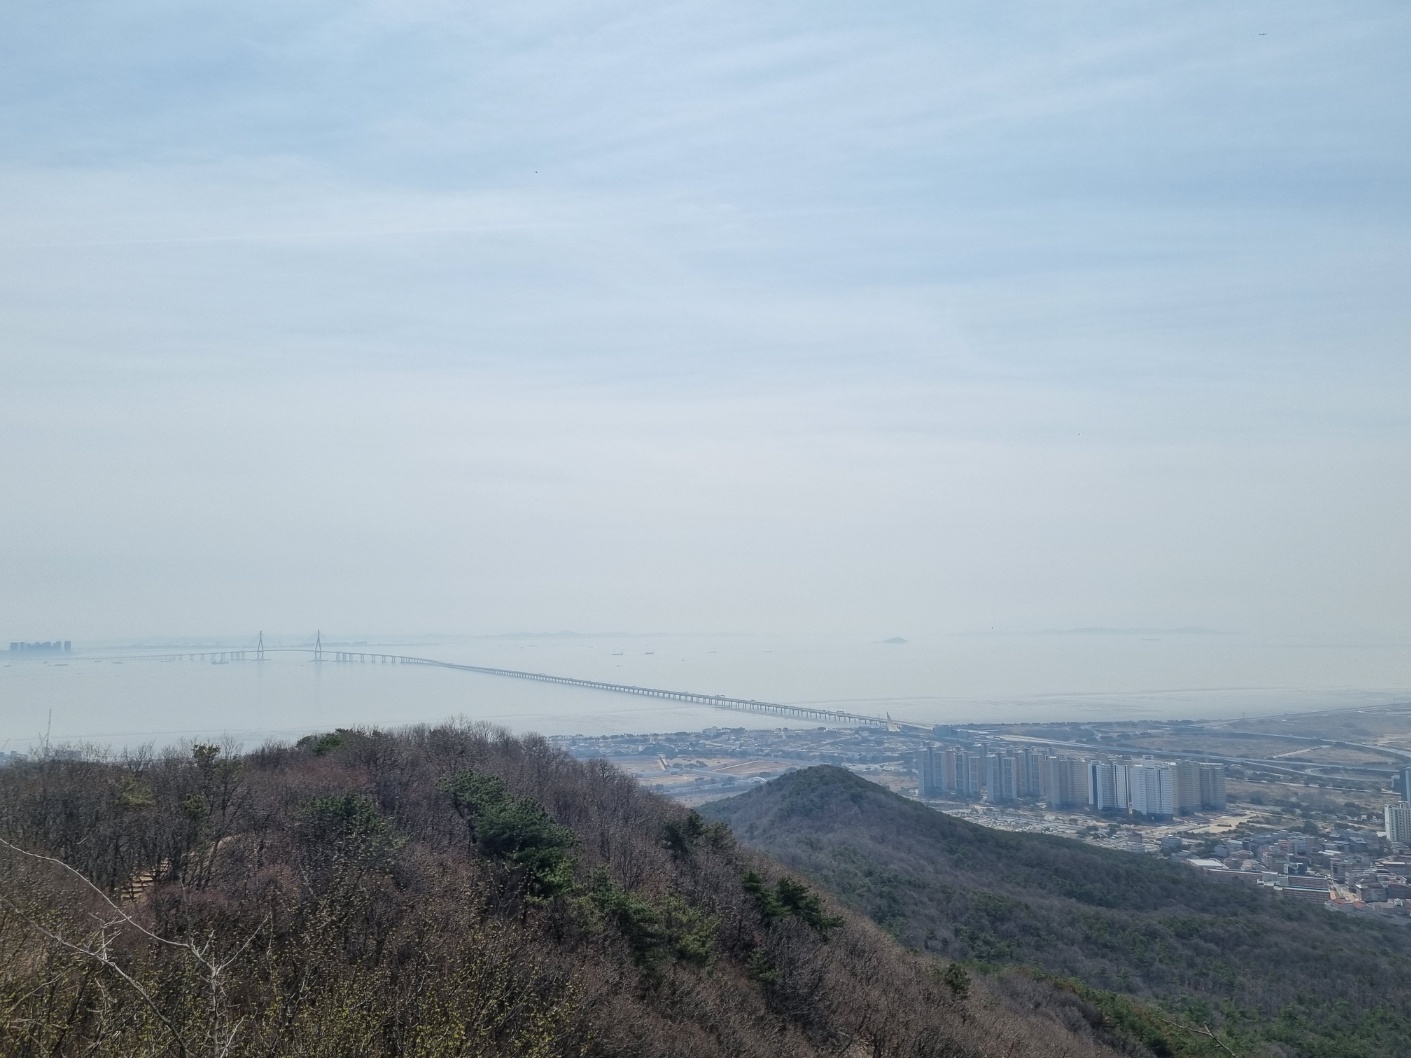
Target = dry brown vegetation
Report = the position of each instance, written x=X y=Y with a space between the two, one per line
x=436 y=892
x=1277 y=976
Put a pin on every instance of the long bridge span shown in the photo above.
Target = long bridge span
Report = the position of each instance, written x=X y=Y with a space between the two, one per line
x=832 y=717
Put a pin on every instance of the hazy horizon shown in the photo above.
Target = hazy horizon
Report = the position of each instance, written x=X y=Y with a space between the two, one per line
x=93 y=696
x=818 y=320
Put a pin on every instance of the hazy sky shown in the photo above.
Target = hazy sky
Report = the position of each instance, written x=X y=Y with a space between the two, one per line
x=778 y=317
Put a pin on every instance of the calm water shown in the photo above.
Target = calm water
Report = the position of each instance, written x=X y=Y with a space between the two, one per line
x=936 y=679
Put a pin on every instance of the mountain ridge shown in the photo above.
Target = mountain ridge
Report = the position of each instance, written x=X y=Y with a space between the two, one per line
x=1274 y=973
x=441 y=893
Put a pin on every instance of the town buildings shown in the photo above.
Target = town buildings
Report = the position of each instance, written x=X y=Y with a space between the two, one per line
x=1001 y=775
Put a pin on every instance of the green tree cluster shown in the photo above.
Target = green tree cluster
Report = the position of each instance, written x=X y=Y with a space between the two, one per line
x=789 y=897
x=346 y=830
x=515 y=830
x=656 y=930
x=683 y=835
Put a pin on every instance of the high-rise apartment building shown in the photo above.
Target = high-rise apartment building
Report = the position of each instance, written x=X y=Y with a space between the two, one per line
x=1002 y=773
x=1157 y=789
x=56 y=646
x=1212 y=786
x=1398 y=822
x=930 y=780
x=948 y=769
x=1108 y=789
x=1064 y=782
x=992 y=778
x=1153 y=789
x=1187 y=778
x=1013 y=774
x=969 y=772
x=1029 y=761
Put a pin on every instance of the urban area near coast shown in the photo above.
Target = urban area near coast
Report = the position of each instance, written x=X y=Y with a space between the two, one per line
x=1295 y=804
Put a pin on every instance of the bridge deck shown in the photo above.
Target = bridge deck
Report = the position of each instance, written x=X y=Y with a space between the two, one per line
x=715 y=701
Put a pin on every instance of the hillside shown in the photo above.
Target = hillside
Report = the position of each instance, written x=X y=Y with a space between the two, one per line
x=445 y=892
x=1267 y=971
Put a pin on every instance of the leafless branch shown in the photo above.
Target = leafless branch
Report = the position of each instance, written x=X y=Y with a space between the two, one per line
x=1200 y=1030
x=101 y=956
x=55 y=861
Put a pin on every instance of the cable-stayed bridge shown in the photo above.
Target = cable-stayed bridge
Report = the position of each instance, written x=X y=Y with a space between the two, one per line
x=831 y=717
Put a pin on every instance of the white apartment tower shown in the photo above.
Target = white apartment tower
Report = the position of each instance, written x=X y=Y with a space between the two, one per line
x=969 y=772
x=1108 y=789
x=1029 y=783
x=1187 y=773
x=1063 y=782
x=930 y=779
x=1153 y=789
x=1398 y=821
x=1002 y=776
x=948 y=769
x=1212 y=786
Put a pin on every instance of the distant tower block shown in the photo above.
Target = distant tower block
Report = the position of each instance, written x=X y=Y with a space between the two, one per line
x=54 y=646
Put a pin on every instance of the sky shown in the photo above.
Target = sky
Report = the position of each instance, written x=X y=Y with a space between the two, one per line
x=784 y=318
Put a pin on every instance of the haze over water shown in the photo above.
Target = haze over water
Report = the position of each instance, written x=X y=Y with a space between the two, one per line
x=932 y=679
x=828 y=321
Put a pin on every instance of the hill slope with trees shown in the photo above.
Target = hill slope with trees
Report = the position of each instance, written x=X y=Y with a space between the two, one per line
x=1283 y=977
x=446 y=891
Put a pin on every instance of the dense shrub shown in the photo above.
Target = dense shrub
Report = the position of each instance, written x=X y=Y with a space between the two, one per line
x=436 y=892
x=1270 y=973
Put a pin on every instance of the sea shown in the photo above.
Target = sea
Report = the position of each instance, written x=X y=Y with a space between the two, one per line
x=119 y=696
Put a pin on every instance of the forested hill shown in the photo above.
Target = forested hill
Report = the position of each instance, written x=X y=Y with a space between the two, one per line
x=1272 y=973
x=446 y=892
